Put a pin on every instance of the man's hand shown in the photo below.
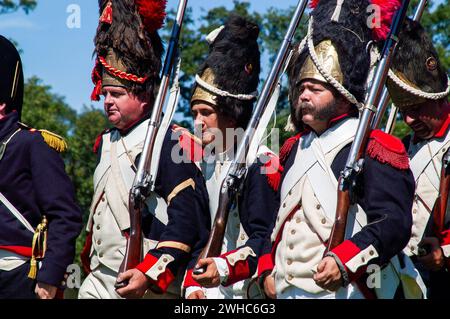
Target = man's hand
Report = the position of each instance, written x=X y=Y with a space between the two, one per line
x=210 y=278
x=328 y=276
x=137 y=284
x=433 y=261
x=45 y=291
x=198 y=294
x=269 y=287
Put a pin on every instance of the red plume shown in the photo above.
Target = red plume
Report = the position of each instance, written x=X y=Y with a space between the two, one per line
x=387 y=11
x=152 y=13
x=313 y=4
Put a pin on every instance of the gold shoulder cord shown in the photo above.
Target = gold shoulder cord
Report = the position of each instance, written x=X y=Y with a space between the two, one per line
x=39 y=246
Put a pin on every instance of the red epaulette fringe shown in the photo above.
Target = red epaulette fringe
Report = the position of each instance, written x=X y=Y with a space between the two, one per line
x=387 y=149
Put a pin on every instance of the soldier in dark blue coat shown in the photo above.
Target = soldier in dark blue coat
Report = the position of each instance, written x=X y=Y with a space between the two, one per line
x=176 y=220
x=327 y=80
x=222 y=105
x=37 y=200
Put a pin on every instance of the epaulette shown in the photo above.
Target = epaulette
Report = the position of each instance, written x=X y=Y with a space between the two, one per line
x=53 y=140
x=189 y=143
x=98 y=140
x=273 y=170
x=387 y=149
x=287 y=147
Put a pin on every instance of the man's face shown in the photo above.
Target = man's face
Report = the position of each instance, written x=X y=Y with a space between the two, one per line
x=317 y=105
x=209 y=122
x=121 y=107
x=425 y=119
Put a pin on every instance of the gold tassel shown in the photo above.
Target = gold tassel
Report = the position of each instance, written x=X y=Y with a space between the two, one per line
x=39 y=247
x=54 y=141
x=33 y=268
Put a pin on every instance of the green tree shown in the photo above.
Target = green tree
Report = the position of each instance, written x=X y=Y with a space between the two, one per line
x=8 y=6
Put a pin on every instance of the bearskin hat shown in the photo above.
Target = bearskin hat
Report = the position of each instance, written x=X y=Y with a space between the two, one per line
x=229 y=77
x=127 y=45
x=11 y=79
x=341 y=36
x=416 y=63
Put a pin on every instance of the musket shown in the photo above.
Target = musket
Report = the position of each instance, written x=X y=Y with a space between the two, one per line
x=355 y=160
x=237 y=170
x=143 y=182
x=384 y=101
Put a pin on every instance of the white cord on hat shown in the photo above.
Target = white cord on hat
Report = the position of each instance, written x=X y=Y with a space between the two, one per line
x=328 y=77
x=417 y=92
x=220 y=92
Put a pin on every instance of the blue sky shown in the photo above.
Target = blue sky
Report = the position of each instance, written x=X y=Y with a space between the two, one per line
x=62 y=56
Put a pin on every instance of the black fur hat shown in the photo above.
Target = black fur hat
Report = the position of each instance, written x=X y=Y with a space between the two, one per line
x=11 y=76
x=416 y=62
x=233 y=66
x=349 y=35
x=127 y=45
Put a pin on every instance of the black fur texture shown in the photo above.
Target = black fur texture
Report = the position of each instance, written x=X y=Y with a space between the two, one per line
x=413 y=50
x=235 y=47
x=141 y=52
x=350 y=36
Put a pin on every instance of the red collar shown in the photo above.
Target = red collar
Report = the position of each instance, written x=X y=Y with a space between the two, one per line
x=339 y=118
x=444 y=128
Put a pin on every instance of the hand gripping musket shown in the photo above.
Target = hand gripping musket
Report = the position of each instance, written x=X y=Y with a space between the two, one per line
x=355 y=160
x=237 y=171
x=144 y=182
x=384 y=101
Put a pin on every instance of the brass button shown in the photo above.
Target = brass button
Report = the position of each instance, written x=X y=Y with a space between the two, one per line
x=99 y=242
x=414 y=211
x=242 y=255
x=290 y=193
x=363 y=259
x=298 y=220
x=165 y=259
x=284 y=205
x=291 y=246
x=323 y=221
x=318 y=206
x=160 y=268
x=290 y=277
x=100 y=255
x=444 y=150
x=289 y=261
x=413 y=248
x=98 y=227
x=293 y=232
x=103 y=199
x=242 y=236
x=371 y=253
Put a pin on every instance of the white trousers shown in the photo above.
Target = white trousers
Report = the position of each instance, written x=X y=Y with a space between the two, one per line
x=99 y=284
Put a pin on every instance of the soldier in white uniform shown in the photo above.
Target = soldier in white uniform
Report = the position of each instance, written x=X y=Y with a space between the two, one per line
x=232 y=67
x=176 y=221
x=419 y=88
x=326 y=116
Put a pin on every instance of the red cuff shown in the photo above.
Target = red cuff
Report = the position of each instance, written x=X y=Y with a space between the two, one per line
x=164 y=279
x=444 y=237
x=345 y=252
x=189 y=281
x=238 y=272
x=265 y=263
